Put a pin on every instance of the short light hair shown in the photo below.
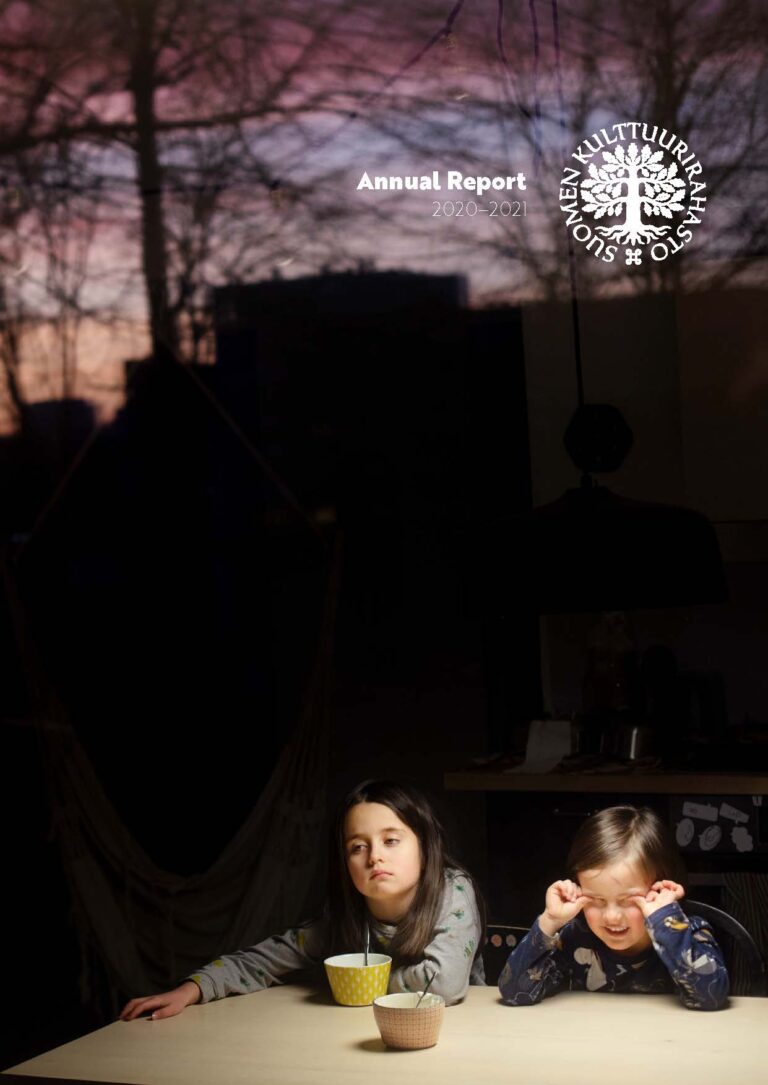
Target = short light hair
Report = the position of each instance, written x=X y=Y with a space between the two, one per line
x=626 y=834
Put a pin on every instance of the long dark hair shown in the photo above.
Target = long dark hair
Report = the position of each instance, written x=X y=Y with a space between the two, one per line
x=626 y=833
x=347 y=907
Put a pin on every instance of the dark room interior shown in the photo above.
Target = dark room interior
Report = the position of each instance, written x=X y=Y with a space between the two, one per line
x=307 y=481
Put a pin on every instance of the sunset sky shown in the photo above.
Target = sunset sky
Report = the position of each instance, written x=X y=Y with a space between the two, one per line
x=264 y=131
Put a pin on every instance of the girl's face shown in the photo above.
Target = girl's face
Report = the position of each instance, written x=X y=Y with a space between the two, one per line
x=383 y=859
x=610 y=911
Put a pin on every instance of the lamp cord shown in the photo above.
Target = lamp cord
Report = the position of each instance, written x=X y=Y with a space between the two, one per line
x=571 y=253
x=576 y=324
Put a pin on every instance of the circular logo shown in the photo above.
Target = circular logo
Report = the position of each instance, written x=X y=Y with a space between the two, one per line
x=634 y=189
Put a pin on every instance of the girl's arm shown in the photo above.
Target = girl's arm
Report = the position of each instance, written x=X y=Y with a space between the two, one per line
x=537 y=967
x=694 y=960
x=261 y=965
x=451 y=952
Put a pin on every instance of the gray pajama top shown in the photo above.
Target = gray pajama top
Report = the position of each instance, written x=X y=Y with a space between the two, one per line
x=453 y=952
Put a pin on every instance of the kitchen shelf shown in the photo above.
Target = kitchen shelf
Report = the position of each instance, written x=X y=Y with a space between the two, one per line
x=646 y=783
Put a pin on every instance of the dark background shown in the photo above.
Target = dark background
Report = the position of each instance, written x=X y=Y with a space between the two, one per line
x=174 y=599
x=165 y=565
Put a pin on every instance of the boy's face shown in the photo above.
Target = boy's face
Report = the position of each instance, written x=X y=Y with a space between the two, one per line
x=610 y=911
x=383 y=859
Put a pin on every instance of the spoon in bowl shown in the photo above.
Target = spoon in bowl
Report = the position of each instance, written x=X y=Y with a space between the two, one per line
x=429 y=982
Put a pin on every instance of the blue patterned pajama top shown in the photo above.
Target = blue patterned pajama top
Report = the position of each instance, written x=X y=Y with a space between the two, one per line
x=683 y=957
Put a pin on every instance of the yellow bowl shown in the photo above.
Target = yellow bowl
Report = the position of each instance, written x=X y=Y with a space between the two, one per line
x=354 y=984
x=402 y=1025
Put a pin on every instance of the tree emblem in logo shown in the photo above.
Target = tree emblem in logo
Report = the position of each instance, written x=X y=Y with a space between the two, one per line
x=633 y=182
x=634 y=173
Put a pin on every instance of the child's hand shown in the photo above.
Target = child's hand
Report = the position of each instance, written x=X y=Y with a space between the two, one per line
x=167 y=1004
x=564 y=900
x=660 y=893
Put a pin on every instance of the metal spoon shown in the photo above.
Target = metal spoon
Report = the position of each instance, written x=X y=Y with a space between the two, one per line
x=367 y=943
x=429 y=982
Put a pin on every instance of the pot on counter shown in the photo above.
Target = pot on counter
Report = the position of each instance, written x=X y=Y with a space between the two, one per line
x=635 y=742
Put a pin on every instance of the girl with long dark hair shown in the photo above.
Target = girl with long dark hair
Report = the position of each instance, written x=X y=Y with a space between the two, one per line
x=392 y=885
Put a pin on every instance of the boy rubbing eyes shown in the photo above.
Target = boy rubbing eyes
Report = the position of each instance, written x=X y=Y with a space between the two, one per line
x=618 y=925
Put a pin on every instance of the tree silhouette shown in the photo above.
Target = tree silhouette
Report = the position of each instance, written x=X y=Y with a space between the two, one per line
x=190 y=123
x=698 y=71
x=213 y=144
x=648 y=186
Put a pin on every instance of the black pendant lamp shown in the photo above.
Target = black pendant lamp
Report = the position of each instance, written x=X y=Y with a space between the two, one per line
x=592 y=550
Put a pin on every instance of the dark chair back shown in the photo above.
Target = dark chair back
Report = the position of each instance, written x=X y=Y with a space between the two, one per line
x=500 y=940
x=743 y=959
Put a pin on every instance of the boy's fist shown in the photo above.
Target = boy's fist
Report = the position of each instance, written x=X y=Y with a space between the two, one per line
x=564 y=900
x=661 y=893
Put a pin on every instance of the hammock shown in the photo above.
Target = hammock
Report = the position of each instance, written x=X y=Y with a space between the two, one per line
x=145 y=928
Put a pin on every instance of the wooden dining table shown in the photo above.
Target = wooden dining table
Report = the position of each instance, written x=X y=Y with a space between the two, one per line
x=296 y=1035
